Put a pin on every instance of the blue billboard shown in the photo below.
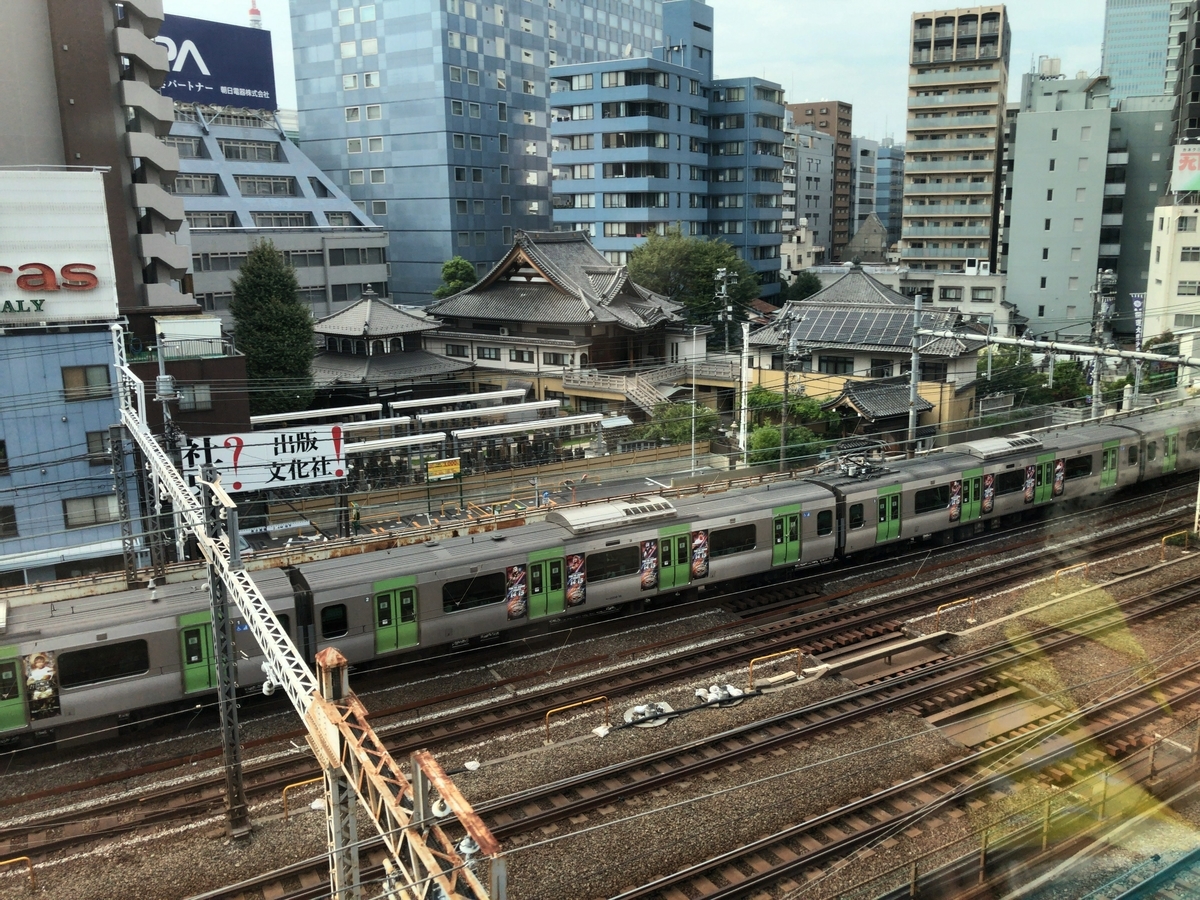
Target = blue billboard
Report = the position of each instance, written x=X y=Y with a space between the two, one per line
x=218 y=64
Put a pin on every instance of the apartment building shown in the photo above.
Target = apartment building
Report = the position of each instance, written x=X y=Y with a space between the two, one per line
x=453 y=95
x=889 y=187
x=836 y=119
x=813 y=185
x=864 y=164
x=957 y=84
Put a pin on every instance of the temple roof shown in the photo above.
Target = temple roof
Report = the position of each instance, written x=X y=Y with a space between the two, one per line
x=375 y=318
x=559 y=277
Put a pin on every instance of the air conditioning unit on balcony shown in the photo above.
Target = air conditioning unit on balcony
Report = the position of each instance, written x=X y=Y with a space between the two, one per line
x=503 y=331
x=985 y=268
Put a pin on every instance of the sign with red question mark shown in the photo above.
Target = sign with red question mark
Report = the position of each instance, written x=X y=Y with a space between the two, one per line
x=265 y=460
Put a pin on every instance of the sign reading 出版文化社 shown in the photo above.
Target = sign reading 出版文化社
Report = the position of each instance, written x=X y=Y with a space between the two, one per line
x=1185 y=173
x=56 y=261
x=218 y=64
x=266 y=460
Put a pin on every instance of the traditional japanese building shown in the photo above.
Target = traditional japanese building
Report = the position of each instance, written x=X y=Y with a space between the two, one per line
x=557 y=316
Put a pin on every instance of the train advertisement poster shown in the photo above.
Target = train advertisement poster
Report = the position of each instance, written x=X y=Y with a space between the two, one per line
x=955 y=501
x=576 y=579
x=265 y=460
x=649 y=567
x=516 y=596
x=1030 y=483
x=41 y=685
x=1060 y=477
x=699 y=554
x=989 y=493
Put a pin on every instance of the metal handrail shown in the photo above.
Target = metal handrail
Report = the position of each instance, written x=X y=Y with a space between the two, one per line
x=28 y=862
x=771 y=656
x=296 y=784
x=587 y=702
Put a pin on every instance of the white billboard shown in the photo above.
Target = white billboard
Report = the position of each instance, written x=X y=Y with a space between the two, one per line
x=56 y=261
x=267 y=460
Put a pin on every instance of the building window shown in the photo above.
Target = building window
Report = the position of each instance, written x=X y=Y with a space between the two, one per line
x=349 y=82
x=476 y=142
x=950 y=293
x=1187 y=223
x=1051 y=165
x=554 y=359
x=472 y=76
x=1083 y=164
x=477 y=176
x=86 y=383
x=187 y=147
x=1080 y=195
x=375 y=144
x=464 y=239
x=195 y=397
x=983 y=295
x=456 y=107
x=4 y=457
x=455 y=74
x=1054 y=134
x=1188 y=289
x=480 y=238
x=521 y=356
x=1043 y=286
x=379 y=207
x=80 y=512
x=194 y=184
x=283 y=220
x=1190 y=254
x=349 y=49
x=1046 y=227
x=8 y=522
x=501 y=112
x=504 y=174
x=460 y=350
x=473 y=109
x=356 y=176
x=1050 y=194
x=492 y=353
x=1073 y=283
x=354 y=145
x=374 y=112
x=266 y=185
x=339 y=218
x=880 y=368
x=836 y=365
x=371 y=79
x=377 y=176
x=210 y=219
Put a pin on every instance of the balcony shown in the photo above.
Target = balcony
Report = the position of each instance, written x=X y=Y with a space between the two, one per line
x=1110 y=250
x=924 y=231
x=965 y=54
x=961 y=165
x=989 y=52
x=1114 y=190
x=954 y=100
x=922 y=34
x=943 y=31
x=963 y=144
x=952 y=122
x=942 y=252
x=953 y=77
x=944 y=55
x=949 y=209
x=989 y=28
x=1118 y=159
x=1112 y=220
x=954 y=187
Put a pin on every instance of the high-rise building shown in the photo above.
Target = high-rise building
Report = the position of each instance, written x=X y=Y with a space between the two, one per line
x=957 y=84
x=644 y=144
x=456 y=94
x=1086 y=175
x=1177 y=22
x=1186 y=89
x=813 y=183
x=889 y=187
x=836 y=119
x=864 y=164
x=1136 y=38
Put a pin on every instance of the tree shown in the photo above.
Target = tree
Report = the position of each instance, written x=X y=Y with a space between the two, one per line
x=764 y=444
x=275 y=332
x=672 y=422
x=682 y=269
x=806 y=284
x=457 y=274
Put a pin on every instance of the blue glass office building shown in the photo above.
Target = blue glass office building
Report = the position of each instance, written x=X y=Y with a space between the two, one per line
x=1135 y=46
x=642 y=145
x=449 y=100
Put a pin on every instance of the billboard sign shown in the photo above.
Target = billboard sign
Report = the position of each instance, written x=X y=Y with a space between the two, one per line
x=267 y=460
x=437 y=469
x=1185 y=174
x=219 y=64
x=56 y=261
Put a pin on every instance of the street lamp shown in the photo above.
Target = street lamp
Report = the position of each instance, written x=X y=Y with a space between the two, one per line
x=725 y=280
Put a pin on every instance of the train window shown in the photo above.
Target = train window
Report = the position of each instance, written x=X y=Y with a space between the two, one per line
x=613 y=563
x=1010 y=482
x=1133 y=455
x=1079 y=467
x=556 y=579
x=857 y=518
x=724 y=541
x=1193 y=440
x=103 y=662
x=469 y=593
x=825 y=522
x=10 y=687
x=535 y=579
x=334 y=621
x=779 y=530
x=883 y=509
x=1151 y=451
x=932 y=498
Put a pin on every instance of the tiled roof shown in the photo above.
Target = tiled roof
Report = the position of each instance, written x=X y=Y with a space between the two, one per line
x=338 y=368
x=580 y=286
x=856 y=312
x=372 y=317
x=877 y=399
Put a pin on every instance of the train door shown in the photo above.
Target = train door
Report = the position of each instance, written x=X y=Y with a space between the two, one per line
x=972 y=495
x=395 y=613
x=674 y=556
x=547 y=586
x=1044 y=486
x=786 y=535
x=12 y=693
x=197 y=660
x=1170 y=450
x=1108 y=466
x=889 y=514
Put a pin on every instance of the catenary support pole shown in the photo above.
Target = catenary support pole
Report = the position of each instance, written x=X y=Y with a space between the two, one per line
x=341 y=821
x=743 y=415
x=914 y=377
x=116 y=447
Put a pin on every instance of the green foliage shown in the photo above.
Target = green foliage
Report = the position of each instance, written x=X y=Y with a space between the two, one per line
x=764 y=405
x=805 y=285
x=672 y=422
x=764 y=444
x=682 y=269
x=457 y=274
x=1013 y=372
x=275 y=332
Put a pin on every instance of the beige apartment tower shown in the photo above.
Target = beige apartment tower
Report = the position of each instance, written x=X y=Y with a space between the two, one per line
x=957 y=87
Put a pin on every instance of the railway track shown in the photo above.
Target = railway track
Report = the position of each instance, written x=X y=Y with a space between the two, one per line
x=822 y=630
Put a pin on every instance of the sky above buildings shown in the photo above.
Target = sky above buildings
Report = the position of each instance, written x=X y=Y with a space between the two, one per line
x=851 y=50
